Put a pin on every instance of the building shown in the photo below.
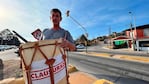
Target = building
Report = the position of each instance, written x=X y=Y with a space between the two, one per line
x=139 y=37
x=8 y=38
x=121 y=42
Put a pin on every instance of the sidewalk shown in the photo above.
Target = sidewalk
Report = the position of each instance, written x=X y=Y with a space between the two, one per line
x=84 y=78
x=146 y=53
x=81 y=78
x=75 y=77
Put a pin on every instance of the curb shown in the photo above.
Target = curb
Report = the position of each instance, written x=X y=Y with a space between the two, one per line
x=71 y=68
x=103 y=81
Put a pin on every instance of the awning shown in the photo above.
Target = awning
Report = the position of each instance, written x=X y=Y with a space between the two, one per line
x=119 y=42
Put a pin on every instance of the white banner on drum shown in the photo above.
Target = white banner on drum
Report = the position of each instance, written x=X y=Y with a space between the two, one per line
x=40 y=71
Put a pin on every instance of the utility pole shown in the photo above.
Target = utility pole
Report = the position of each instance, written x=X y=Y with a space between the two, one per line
x=134 y=23
x=110 y=35
x=135 y=31
x=86 y=34
x=131 y=29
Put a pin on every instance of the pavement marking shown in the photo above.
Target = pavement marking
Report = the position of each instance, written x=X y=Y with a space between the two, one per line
x=96 y=54
x=118 y=56
x=133 y=58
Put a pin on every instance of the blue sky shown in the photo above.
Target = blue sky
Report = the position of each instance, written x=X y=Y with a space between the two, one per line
x=96 y=16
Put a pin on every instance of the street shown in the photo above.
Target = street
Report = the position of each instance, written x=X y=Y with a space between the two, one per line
x=92 y=65
x=99 y=67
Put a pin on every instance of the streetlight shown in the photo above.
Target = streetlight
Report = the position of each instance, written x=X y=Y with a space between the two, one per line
x=86 y=34
x=132 y=24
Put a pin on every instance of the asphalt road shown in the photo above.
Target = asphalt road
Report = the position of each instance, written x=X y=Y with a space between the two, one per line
x=124 y=51
x=9 y=54
x=83 y=63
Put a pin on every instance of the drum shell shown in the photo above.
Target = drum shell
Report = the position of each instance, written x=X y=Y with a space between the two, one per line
x=51 y=49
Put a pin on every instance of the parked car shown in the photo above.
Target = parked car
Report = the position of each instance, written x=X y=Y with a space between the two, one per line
x=7 y=47
x=2 y=48
x=80 y=46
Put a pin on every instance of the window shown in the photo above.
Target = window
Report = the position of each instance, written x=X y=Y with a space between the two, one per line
x=146 y=32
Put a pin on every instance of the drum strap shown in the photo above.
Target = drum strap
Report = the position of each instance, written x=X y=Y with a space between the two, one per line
x=65 y=37
x=64 y=58
x=50 y=62
x=27 y=68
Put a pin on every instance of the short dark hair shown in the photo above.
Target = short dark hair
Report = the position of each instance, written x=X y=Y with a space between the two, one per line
x=56 y=10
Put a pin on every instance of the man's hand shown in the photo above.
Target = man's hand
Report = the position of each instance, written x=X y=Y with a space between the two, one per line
x=67 y=45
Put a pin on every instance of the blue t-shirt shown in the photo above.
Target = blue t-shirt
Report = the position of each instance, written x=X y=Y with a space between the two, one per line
x=56 y=34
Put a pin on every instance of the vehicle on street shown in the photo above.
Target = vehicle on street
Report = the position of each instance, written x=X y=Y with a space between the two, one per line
x=80 y=46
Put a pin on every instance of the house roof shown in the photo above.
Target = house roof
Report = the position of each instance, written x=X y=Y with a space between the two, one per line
x=138 y=27
x=121 y=38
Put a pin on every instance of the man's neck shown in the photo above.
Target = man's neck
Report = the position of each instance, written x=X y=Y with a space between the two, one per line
x=56 y=27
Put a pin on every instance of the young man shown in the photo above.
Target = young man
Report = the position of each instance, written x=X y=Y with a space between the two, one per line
x=57 y=32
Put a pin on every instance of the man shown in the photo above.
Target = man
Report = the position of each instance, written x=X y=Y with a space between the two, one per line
x=57 y=32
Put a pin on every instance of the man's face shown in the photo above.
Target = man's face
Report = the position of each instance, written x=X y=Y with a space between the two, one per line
x=55 y=17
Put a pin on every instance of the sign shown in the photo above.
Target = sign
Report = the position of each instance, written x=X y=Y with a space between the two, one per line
x=37 y=34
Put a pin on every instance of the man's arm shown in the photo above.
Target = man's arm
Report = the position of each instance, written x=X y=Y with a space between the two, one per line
x=68 y=45
x=71 y=46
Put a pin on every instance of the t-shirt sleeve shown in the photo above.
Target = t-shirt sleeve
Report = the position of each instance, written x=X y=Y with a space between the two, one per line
x=69 y=37
x=44 y=30
x=44 y=33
